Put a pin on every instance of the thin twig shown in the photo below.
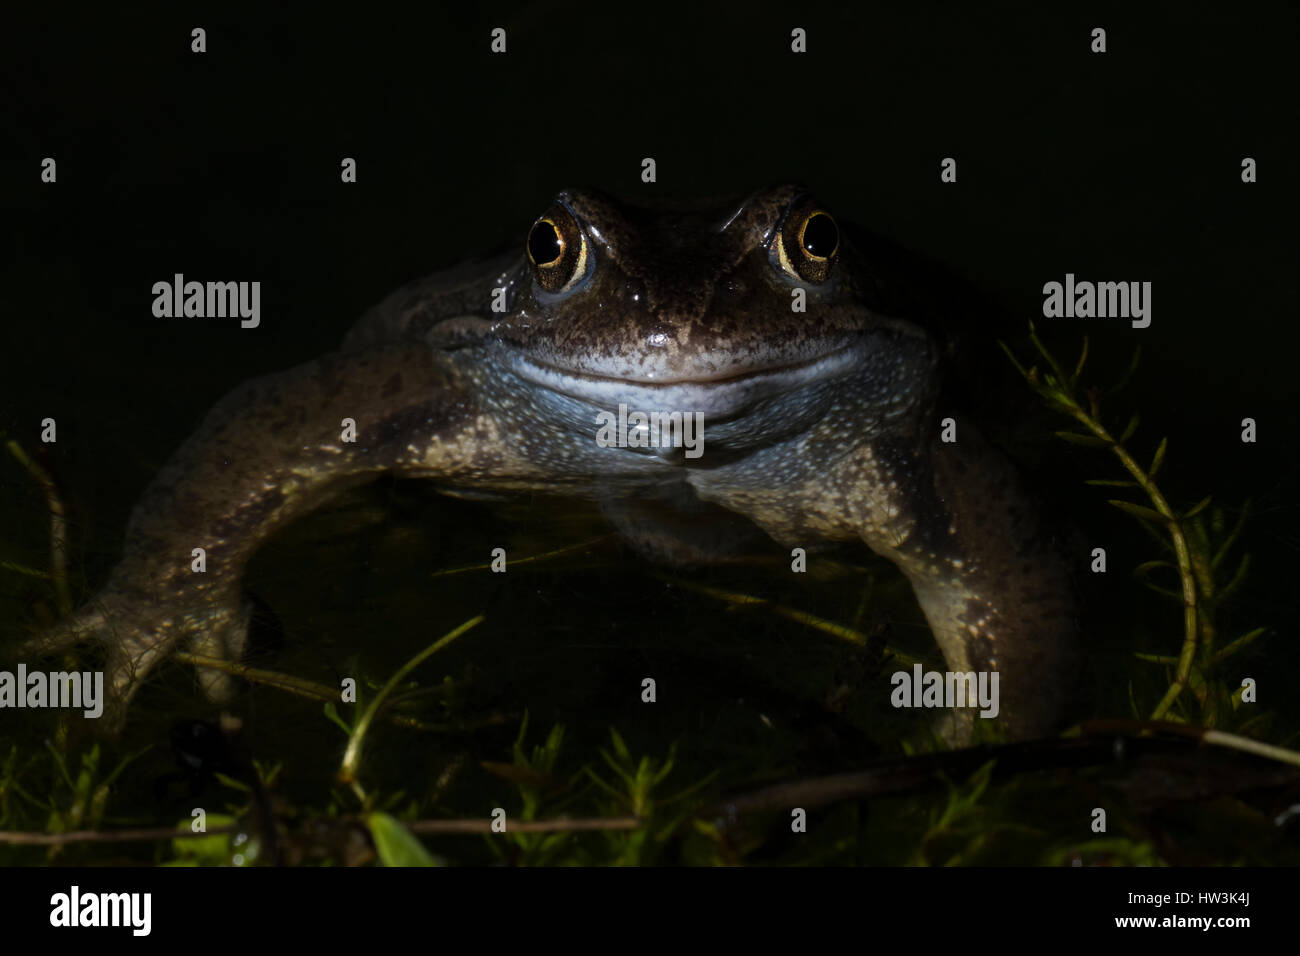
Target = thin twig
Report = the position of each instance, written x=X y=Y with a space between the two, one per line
x=58 y=525
x=525 y=826
x=527 y=559
x=324 y=692
x=23 y=838
x=739 y=599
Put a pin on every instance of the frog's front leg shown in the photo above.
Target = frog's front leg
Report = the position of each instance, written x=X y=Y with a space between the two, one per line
x=995 y=584
x=958 y=523
x=273 y=449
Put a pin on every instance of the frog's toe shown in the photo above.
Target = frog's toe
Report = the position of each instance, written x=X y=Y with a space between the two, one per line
x=65 y=634
x=215 y=629
x=954 y=726
x=224 y=637
x=129 y=653
x=130 y=659
x=137 y=635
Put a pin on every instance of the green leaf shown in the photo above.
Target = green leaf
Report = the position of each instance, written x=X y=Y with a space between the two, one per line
x=596 y=779
x=1146 y=566
x=1156 y=658
x=396 y=845
x=1237 y=578
x=1014 y=361
x=1229 y=649
x=620 y=747
x=24 y=569
x=1167 y=592
x=1130 y=428
x=1232 y=536
x=1159 y=458
x=1059 y=401
x=211 y=849
x=1198 y=507
x=1128 y=374
x=332 y=713
x=1078 y=367
x=1112 y=483
x=1078 y=438
x=231 y=782
x=1139 y=511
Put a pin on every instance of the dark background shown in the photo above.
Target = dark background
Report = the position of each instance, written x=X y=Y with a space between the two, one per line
x=1116 y=166
x=225 y=165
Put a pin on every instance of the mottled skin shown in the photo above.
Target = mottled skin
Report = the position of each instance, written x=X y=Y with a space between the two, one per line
x=820 y=426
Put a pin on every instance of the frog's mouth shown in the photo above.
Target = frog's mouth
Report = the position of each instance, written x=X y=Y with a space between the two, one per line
x=721 y=396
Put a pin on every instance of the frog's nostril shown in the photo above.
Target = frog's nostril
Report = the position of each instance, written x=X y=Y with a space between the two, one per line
x=730 y=289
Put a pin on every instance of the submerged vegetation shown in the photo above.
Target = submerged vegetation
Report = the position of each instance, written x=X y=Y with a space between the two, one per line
x=1197 y=543
x=778 y=712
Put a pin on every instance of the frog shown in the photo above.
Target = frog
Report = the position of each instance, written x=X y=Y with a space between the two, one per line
x=777 y=327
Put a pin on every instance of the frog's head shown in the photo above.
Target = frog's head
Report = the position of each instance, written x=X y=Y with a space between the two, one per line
x=691 y=308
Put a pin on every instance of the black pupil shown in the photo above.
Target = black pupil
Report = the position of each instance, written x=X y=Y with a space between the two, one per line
x=820 y=235
x=544 y=243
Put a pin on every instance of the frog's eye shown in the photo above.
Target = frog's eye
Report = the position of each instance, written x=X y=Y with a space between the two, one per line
x=557 y=250
x=544 y=243
x=808 y=242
